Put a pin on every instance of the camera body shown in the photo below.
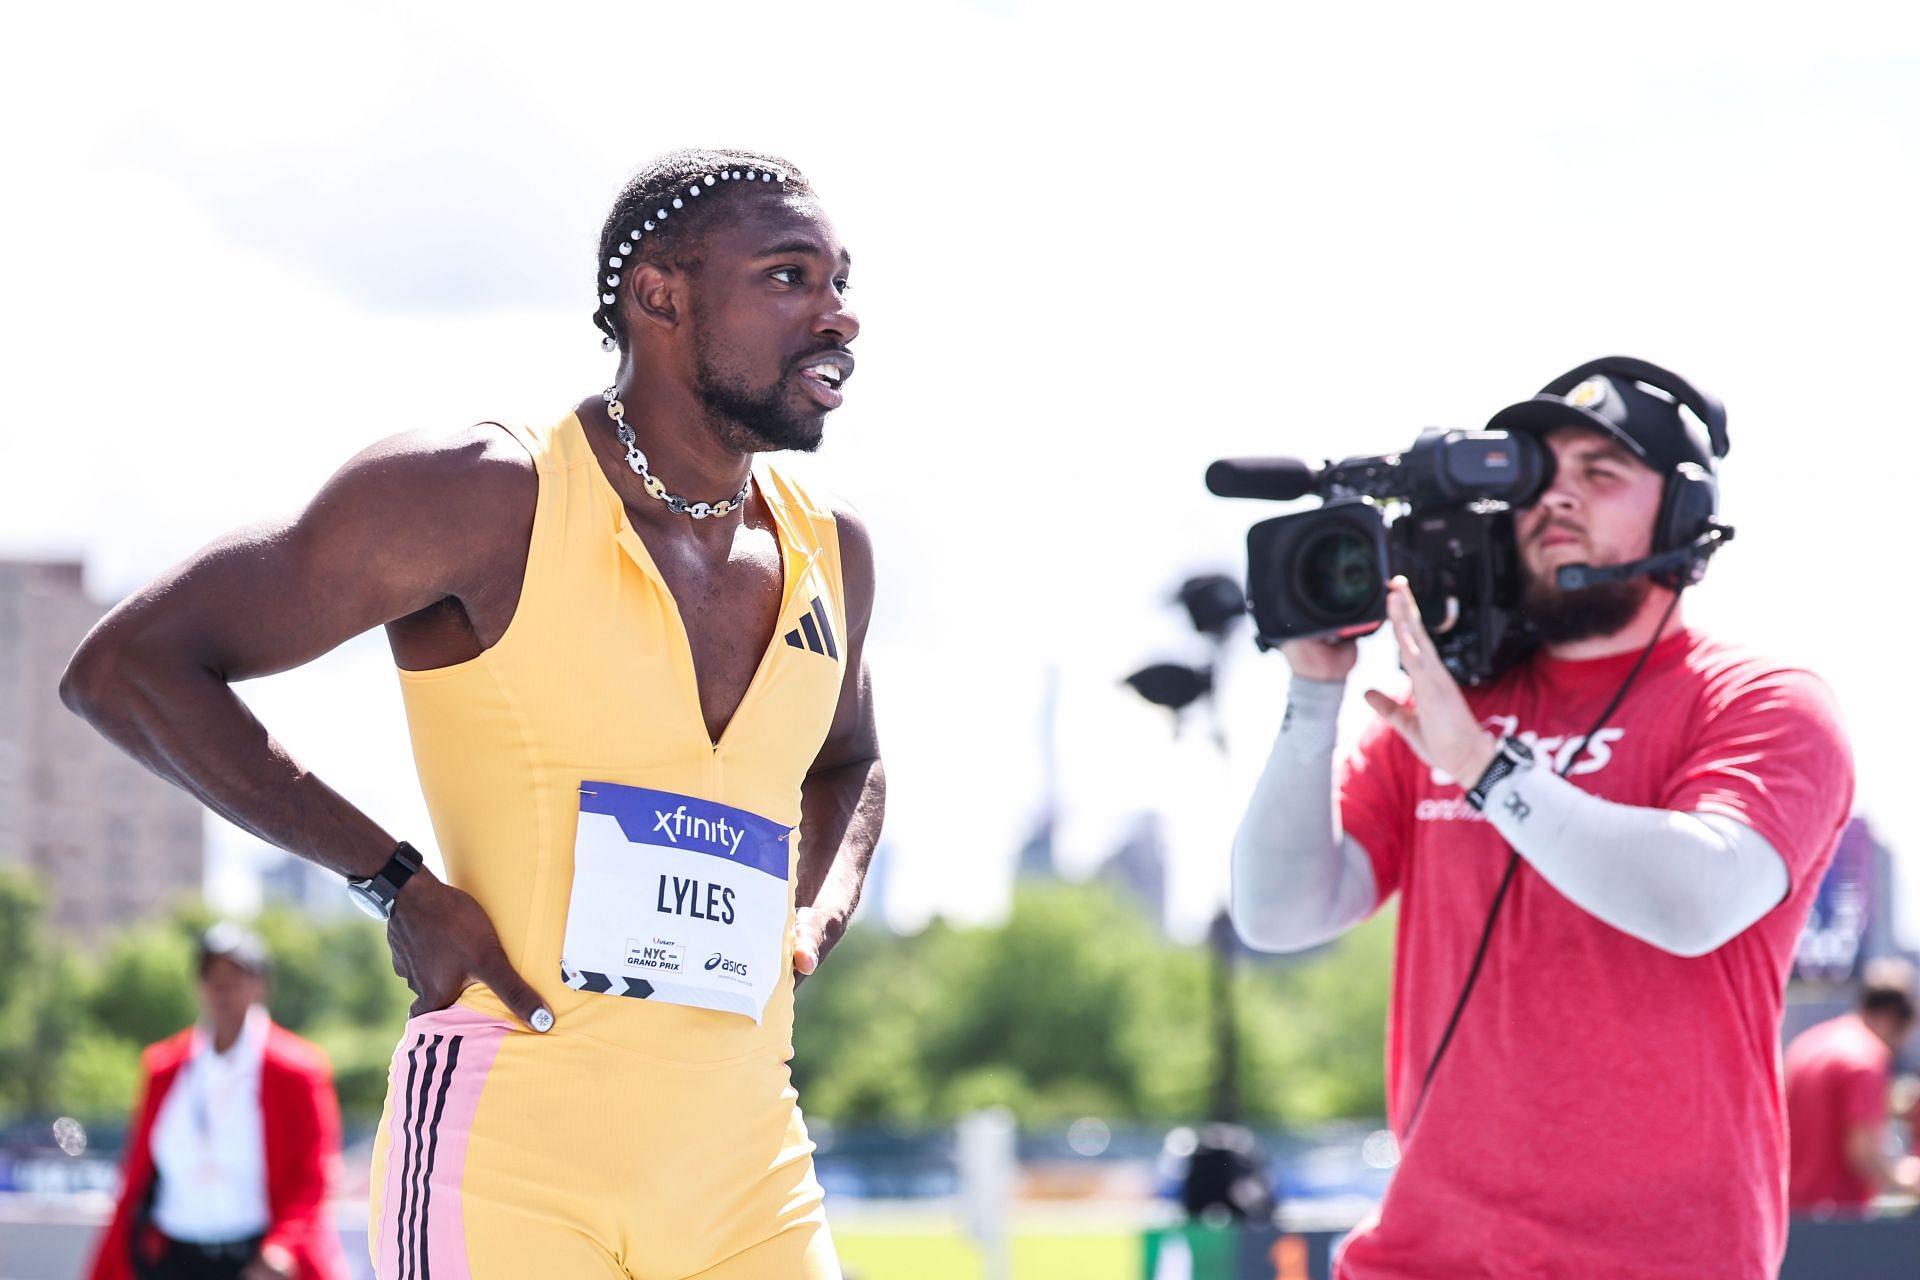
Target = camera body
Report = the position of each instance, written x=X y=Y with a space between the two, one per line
x=1439 y=513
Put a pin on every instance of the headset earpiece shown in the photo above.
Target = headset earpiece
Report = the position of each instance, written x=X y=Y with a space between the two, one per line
x=1688 y=503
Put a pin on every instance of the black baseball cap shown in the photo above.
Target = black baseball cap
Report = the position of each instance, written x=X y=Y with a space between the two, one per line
x=1643 y=417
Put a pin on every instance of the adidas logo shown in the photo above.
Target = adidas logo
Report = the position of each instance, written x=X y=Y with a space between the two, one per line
x=819 y=632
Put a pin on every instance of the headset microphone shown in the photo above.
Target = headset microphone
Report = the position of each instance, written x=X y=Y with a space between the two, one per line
x=1578 y=577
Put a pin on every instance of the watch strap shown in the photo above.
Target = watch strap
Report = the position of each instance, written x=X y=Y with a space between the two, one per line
x=1513 y=757
x=384 y=885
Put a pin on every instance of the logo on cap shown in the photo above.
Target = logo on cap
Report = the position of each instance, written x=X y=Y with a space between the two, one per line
x=1590 y=394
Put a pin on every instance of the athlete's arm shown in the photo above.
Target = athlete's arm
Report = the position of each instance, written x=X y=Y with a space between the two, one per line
x=1297 y=882
x=844 y=796
x=404 y=526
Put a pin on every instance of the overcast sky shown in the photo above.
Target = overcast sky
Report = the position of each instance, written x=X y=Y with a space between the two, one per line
x=1096 y=247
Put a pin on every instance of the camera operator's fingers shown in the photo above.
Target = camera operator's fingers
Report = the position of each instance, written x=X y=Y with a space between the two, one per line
x=1404 y=611
x=1404 y=719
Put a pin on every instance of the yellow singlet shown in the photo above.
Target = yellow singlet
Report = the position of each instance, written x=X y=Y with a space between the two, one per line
x=639 y=1137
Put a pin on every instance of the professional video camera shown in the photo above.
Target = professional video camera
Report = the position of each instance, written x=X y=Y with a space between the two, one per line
x=1452 y=496
x=1324 y=572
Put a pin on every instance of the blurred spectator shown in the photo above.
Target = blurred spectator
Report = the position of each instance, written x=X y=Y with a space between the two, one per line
x=1838 y=1074
x=232 y=1145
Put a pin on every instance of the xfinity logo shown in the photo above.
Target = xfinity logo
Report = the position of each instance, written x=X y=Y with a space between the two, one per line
x=678 y=823
x=724 y=965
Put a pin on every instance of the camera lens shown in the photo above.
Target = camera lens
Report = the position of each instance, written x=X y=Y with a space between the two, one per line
x=1337 y=574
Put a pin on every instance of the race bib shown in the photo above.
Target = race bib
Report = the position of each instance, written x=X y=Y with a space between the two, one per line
x=676 y=899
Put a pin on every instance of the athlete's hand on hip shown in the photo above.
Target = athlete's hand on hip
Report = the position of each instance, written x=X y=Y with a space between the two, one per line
x=814 y=933
x=443 y=943
x=1435 y=720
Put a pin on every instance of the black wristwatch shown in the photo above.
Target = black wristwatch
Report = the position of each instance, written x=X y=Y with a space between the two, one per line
x=1514 y=756
x=375 y=896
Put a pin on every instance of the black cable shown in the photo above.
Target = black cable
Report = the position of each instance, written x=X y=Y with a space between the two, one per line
x=1513 y=865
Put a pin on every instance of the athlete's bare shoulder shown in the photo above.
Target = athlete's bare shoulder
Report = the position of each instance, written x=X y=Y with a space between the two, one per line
x=449 y=470
x=455 y=508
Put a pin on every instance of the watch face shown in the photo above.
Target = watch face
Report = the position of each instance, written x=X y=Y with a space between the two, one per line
x=1518 y=748
x=367 y=900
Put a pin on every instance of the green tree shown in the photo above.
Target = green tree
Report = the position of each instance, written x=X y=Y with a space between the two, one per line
x=144 y=987
x=1076 y=1005
x=1313 y=1029
x=39 y=1016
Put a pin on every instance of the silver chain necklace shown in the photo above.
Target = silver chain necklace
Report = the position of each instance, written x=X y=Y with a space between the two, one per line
x=637 y=460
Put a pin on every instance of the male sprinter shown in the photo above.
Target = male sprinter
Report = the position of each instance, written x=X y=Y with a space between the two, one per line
x=631 y=655
x=1604 y=858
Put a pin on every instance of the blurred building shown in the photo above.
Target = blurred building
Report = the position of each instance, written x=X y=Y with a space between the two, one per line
x=110 y=841
x=306 y=887
x=1138 y=868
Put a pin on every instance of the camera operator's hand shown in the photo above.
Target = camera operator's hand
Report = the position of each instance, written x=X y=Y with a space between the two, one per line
x=1321 y=659
x=1435 y=720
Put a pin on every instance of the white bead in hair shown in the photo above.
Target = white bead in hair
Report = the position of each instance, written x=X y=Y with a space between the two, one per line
x=613 y=281
x=749 y=175
x=626 y=247
x=607 y=298
x=659 y=213
x=677 y=204
x=648 y=224
x=616 y=263
x=606 y=343
x=709 y=182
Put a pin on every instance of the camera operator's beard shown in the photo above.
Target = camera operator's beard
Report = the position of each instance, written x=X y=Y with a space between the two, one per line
x=1561 y=617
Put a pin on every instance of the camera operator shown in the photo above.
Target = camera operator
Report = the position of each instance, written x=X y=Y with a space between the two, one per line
x=1604 y=857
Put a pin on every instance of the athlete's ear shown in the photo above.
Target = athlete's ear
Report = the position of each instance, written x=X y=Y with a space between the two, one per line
x=658 y=293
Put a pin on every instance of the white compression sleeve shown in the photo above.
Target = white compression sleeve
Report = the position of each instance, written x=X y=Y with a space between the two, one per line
x=1296 y=881
x=1684 y=882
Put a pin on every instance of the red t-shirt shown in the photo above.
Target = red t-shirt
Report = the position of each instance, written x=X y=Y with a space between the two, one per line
x=1837 y=1078
x=1605 y=1108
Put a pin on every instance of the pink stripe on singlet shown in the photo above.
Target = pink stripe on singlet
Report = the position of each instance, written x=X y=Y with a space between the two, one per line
x=439 y=1070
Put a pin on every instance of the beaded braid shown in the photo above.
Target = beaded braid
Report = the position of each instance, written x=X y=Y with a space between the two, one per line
x=668 y=191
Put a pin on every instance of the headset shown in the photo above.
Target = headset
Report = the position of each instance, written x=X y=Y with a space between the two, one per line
x=1686 y=531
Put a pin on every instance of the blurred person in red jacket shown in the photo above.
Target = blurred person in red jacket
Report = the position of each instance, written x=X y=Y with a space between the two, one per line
x=1838 y=1077
x=233 y=1142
